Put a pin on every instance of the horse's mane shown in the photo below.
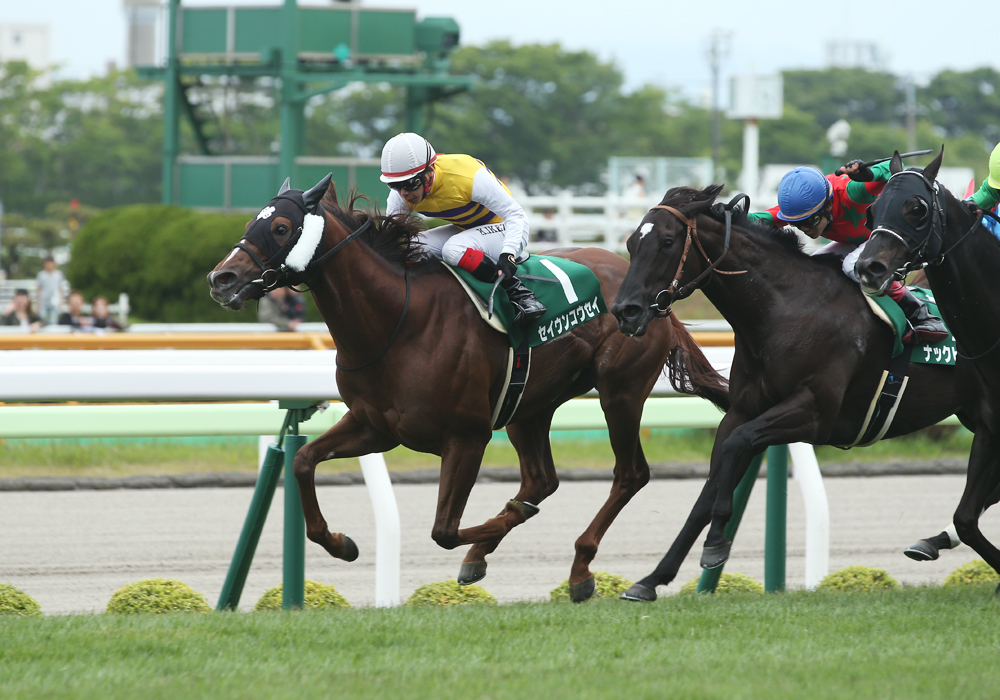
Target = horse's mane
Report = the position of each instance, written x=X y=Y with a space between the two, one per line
x=761 y=230
x=392 y=237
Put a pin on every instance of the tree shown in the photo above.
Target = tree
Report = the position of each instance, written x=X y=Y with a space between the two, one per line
x=964 y=103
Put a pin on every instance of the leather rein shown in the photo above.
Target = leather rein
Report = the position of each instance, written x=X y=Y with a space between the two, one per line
x=673 y=292
x=280 y=277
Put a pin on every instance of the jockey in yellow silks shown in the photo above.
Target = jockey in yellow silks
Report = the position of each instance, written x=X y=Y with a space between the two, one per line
x=487 y=231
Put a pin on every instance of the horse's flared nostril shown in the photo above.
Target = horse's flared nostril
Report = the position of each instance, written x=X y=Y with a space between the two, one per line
x=871 y=269
x=221 y=280
x=631 y=312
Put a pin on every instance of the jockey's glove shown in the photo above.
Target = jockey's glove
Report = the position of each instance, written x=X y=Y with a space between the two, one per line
x=864 y=174
x=973 y=208
x=507 y=265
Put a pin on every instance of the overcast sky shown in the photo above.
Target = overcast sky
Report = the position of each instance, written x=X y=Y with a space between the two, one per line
x=653 y=41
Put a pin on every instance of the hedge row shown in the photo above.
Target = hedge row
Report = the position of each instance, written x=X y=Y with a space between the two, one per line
x=159 y=255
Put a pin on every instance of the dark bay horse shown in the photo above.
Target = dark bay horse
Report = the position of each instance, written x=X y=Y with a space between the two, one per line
x=809 y=352
x=418 y=367
x=917 y=222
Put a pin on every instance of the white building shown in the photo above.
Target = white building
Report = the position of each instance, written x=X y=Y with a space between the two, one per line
x=25 y=42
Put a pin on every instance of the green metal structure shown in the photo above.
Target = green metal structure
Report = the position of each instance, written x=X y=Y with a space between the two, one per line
x=311 y=51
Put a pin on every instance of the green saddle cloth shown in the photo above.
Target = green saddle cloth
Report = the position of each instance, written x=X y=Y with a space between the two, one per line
x=942 y=353
x=574 y=297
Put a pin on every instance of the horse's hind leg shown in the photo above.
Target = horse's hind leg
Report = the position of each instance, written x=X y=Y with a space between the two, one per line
x=623 y=413
x=348 y=438
x=538 y=481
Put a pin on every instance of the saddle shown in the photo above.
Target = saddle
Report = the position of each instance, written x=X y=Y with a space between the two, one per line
x=894 y=378
x=571 y=294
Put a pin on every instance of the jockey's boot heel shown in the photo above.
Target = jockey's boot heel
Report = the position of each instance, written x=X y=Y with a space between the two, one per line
x=923 y=327
x=526 y=307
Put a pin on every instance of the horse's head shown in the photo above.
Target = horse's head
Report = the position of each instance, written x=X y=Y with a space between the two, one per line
x=279 y=242
x=907 y=225
x=661 y=269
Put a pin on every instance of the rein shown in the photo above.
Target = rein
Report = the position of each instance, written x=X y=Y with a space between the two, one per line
x=281 y=276
x=692 y=234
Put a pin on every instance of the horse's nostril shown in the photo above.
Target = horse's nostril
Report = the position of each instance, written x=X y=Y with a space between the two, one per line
x=222 y=279
x=631 y=312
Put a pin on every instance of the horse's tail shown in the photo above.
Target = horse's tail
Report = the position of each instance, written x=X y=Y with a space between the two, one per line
x=690 y=372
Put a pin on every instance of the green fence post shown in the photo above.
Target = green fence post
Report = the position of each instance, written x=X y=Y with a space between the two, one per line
x=710 y=577
x=294 y=557
x=263 y=492
x=777 y=516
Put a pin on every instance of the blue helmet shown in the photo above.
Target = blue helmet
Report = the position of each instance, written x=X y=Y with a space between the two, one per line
x=801 y=193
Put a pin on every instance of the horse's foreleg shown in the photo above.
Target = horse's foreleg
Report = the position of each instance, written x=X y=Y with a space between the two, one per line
x=796 y=419
x=631 y=473
x=538 y=481
x=348 y=438
x=697 y=521
x=981 y=485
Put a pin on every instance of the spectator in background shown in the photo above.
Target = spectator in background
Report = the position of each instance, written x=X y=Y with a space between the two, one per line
x=637 y=189
x=74 y=317
x=21 y=313
x=101 y=318
x=283 y=307
x=50 y=283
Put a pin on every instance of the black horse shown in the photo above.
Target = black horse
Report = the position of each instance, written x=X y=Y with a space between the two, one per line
x=917 y=223
x=809 y=352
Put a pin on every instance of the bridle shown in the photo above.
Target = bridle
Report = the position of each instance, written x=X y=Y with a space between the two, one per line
x=283 y=276
x=672 y=292
x=923 y=249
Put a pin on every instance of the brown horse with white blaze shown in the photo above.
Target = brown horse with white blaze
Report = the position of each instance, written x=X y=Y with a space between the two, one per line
x=418 y=367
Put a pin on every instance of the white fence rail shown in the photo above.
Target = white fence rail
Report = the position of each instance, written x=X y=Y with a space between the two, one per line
x=247 y=375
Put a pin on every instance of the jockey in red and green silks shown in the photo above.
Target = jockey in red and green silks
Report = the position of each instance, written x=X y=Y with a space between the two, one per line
x=835 y=207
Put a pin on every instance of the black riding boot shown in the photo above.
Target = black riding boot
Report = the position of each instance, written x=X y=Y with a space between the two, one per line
x=526 y=307
x=923 y=327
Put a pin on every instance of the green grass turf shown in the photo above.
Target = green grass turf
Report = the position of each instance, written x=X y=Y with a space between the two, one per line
x=915 y=643
x=579 y=450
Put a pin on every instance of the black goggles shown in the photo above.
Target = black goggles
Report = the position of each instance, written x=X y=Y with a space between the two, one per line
x=813 y=220
x=414 y=183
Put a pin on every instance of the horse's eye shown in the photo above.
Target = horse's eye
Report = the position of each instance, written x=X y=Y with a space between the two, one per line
x=280 y=230
x=666 y=243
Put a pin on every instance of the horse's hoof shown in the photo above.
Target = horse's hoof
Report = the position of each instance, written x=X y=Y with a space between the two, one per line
x=470 y=572
x=350 y=549
x=583 y=591
x=714 y=557
x=528 y=510
x=639 y=593
x=922 y=551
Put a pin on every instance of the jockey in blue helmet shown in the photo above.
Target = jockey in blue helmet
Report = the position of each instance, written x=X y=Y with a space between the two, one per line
x=835 y=207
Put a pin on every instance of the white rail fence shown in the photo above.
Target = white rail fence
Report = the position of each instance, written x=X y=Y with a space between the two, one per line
x=199 y=376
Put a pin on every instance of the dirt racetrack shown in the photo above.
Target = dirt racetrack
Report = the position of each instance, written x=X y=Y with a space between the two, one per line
x=71 y=550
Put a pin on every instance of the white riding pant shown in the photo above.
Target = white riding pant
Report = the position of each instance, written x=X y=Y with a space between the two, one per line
x=848 y=252
x=449 y=242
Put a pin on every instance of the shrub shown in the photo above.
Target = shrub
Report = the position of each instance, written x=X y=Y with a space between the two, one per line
x=728 y=583
x=858 y=578
x=608 y=586
x=974 y=573
x=319 y=596
x=14 y=601
x=449 y=593
x=159 y=256
x=157 y=595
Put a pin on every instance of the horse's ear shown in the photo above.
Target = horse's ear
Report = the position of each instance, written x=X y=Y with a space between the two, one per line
x=312 y=198
x=285 y=186
x=330 y=196
x=895 y=163
x=931 y=171
x=703 y=200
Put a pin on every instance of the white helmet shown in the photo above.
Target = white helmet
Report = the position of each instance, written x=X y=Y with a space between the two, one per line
x=405 y=156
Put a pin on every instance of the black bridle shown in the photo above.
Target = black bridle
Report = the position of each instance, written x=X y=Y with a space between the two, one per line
x=672 y=292
x=274 y=275
x=923 y=243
